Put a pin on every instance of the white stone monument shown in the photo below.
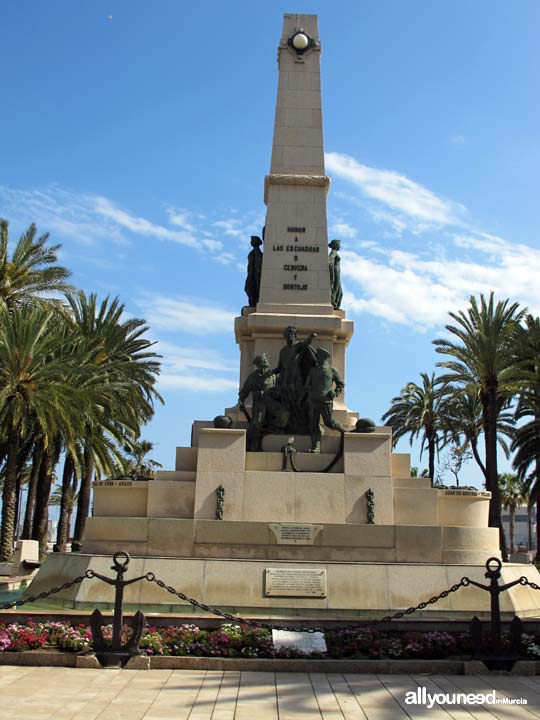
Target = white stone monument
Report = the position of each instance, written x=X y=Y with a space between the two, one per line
x=361 y=539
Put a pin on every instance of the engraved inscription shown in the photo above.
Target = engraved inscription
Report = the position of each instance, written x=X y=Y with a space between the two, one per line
x=293 y=229
x=471 y=493
x=304 y=641
x=295 y=533
x=281 y=582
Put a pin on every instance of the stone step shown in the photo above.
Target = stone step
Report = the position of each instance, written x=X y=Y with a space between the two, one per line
x=329 y=442
x=186 y=458
x=177 y=475
x=273 y=461
x=171 y=499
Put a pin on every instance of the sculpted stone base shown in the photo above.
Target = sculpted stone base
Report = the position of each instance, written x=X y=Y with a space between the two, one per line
x=384 y=540
x=353 y=589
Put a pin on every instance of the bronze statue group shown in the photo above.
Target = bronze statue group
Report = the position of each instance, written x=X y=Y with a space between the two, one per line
x=294 y=396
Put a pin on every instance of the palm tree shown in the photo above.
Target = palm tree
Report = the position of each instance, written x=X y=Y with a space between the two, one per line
x=65 y=497
x=122 y=380
x=38 y=393
x=511 y=499
x=135 y=464
x=464 y=425
x=419 y=410
x=483 y=359
x=526 y=443
x=31 y=274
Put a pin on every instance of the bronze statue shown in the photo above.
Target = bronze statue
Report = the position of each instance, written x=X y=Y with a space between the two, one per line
x=260 y=384
x=336 y=291
x=295 y=359
x=254 y=270
x=320 y=393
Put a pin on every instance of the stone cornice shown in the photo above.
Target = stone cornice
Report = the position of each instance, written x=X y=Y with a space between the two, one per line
x=304 y=180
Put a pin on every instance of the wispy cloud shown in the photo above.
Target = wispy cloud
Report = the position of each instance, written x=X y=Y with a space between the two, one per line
x=139 y=225
x=192 y=383
x=188 y=315
x=409 y=288
x=395 y=191
x=196 y=369
x=342 y=229
x=440 y=259
x=61 y=212
x=87 y=219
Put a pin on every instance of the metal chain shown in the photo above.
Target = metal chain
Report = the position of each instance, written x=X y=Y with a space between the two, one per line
x=47 y=593
x=525 y=581
x=464 y=582
x=267 y=626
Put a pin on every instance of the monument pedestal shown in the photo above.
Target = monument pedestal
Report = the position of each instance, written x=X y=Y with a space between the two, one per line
x=419 y=540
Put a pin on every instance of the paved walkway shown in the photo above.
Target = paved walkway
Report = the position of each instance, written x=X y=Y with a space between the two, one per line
x=80 y=694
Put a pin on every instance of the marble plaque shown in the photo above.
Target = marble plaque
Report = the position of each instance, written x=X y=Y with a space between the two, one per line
x=303 y=641
x=295 y=582
x=295 y=533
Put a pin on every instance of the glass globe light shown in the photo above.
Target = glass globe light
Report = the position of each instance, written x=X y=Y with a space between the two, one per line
x=300 y=41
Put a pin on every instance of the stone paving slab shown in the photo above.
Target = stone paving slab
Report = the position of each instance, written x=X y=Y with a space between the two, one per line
x=52 y=693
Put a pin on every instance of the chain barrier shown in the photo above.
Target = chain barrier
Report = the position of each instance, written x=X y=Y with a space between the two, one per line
x=46 y=593
x=525 y=581
x=268 y=626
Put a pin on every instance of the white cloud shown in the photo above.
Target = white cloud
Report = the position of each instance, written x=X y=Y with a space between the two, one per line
x=89 y=219
x=395 y=191
x=343 y=230
x=196 y=369
x=232 y=227
x=194 y=317
x=60 y=212
x=180 y=358
x=180 y=218
x=408 y=288
x=139 y=225
x=196 y=384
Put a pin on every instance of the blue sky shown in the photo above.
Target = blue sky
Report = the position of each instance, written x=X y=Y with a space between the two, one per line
x=141 y=143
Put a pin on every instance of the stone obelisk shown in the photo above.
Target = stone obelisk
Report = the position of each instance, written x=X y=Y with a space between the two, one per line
x=295 y=282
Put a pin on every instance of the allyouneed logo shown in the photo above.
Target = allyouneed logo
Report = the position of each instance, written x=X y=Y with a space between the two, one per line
x=421 y=696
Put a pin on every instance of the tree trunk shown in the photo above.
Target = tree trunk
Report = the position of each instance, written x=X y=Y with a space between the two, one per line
x=529 y=528
x=17 y=504
x=65 y=504
x=8 y=496
x=431 y=458
x=83 y=504
x=489 y=412
x=43 y=492
x=32 y=487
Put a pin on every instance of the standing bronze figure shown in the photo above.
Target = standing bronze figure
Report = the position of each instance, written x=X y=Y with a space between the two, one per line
x=259 y=383
x=254 y=270
x=323 y=385
x=295 y=359
x=336 y=291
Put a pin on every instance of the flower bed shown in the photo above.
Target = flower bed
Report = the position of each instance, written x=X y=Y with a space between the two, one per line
x=241 y=641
